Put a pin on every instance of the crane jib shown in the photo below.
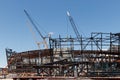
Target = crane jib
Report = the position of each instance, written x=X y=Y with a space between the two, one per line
x=33 y=24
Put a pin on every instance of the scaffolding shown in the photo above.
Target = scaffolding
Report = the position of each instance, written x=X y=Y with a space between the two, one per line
x=97 y=55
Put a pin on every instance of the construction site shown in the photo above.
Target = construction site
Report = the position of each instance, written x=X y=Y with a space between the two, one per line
x=72 y=58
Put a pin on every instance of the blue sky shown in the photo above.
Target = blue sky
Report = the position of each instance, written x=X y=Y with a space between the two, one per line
x=89 y=16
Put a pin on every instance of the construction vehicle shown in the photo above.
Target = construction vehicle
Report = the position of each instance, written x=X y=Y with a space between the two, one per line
x=79 y=38
x=74 y=27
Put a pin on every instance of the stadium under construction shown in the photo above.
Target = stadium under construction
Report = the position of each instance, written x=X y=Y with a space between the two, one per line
x=97 y=55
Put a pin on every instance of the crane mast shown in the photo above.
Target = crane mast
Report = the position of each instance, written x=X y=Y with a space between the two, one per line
x=74 y=26
x=44 y=38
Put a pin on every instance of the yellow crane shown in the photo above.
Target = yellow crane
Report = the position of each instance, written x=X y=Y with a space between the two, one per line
x=44 y=38
x=33 y=34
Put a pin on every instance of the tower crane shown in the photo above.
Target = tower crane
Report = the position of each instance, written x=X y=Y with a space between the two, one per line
x=36 y=28
x=74 y=26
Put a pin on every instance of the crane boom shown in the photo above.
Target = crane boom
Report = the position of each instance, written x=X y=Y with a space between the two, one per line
x=77 y=35
x=74 y=26
x=30 y=19
x=33 y=24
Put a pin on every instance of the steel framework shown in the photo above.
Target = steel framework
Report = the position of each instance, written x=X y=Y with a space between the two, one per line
x=97 y=55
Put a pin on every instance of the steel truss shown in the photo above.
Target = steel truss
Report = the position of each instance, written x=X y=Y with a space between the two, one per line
x=97 y=55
